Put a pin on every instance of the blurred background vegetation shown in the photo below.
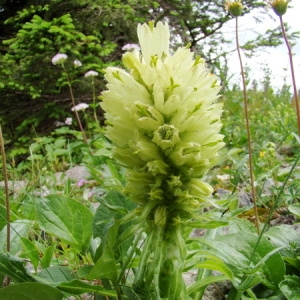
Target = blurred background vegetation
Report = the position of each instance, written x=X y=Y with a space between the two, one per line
x=34 y=93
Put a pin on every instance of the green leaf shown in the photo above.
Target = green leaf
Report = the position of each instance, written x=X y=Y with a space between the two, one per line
x=84 y=271
x=113 y=207
x=249 y=282
x=77 y=287
x=217 y=266
x=14 y=268
x=106 y=267
x=19 y=228
x=55 y=275
x=31 y=251
x=30 y=291
x=235 y=250
x=66 y=219
x=284 y=236
x=58 y=152
x=290 y=287
x=208 y=225
x=2 y=216
x=295 y=209
x=201 y=285
x=273 y=266
x=59 y=143
x=47 y=257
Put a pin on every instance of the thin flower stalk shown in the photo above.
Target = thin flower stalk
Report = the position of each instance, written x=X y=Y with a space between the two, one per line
x=92 y=74
x=163 y=118
x=7 y=202
x=59 y=59
x=75 y=111
x=6 y=280
x=276 y=5
x=235 y=8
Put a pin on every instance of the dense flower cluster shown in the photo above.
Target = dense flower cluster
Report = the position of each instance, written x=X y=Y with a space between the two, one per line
x=68 y=121
x=77 y=63
x=59 y=58
x=164 y=121
x=79 y=107
x=91 y=73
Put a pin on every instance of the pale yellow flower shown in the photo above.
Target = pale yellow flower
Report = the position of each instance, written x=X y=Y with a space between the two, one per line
x=163 y=117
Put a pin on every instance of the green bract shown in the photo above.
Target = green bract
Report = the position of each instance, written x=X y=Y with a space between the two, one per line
x=164 y=121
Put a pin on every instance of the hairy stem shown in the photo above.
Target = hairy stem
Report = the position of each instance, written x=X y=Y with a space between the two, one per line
x=247 y=127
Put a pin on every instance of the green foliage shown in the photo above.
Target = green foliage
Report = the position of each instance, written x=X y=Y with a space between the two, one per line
x=66 y=219
x=273 y=148
x=30 y=291
x=93 y=32
x=290 y=287
x=39 y=40
x=77 y=287
x=77 y=239
x=14 y=268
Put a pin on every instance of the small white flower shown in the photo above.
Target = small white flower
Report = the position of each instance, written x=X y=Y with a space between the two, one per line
x=91 y=74
x=77 y=63
x=58 y=124
x=68 y=121
x=80 y=106
x=129 y=47
x=59 y=58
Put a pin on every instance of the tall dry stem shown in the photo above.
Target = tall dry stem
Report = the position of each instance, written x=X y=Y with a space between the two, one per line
x=6 y=280
x=292 y=72
x=247 y=126
x=7 y=203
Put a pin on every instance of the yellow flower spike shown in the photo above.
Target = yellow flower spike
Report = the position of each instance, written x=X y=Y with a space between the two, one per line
x=168 y=104
x=279 y=6
x=163 y=119
x=235 y=8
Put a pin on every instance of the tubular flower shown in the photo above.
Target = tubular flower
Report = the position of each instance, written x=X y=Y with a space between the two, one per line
x=163 y=118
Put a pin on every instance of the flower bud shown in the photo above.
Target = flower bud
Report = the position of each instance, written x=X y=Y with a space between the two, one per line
x=235 y=8
x=279 y=6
